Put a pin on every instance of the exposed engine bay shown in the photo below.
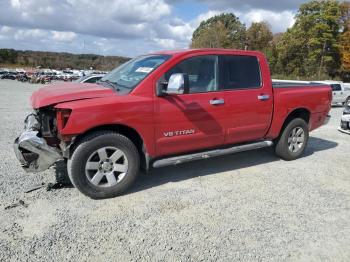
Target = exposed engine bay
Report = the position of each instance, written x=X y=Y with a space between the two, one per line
x=48 y=126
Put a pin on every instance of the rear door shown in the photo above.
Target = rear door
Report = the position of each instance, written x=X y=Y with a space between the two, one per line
x=248 y=99
x=193 y=121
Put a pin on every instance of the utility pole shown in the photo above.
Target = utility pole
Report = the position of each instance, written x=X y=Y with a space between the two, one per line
x=322 y=58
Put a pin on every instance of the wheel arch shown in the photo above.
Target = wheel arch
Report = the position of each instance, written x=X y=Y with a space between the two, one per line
x=125 y=130
x=302 y=113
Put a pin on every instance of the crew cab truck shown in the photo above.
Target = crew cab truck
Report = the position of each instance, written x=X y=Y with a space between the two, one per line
x=167 y=108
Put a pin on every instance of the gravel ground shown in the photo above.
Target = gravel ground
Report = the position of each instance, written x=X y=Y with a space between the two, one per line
x=248 y=206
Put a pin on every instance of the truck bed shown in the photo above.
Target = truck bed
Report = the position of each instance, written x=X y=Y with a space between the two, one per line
x=288 y=96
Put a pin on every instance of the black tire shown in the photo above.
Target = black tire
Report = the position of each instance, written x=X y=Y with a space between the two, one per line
x=282 y=148
x=86 y=148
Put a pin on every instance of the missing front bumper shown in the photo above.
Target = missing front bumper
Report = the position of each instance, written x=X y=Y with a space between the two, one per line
x=32 y=151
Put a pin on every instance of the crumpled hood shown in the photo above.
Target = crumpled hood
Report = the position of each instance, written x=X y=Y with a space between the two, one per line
x=64 y=92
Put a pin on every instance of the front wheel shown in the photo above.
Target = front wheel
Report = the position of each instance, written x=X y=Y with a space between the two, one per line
x=293 y=140
x=103 y=165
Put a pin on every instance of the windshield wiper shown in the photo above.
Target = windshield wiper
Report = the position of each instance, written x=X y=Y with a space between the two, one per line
x=110 y=83
x=123 y=86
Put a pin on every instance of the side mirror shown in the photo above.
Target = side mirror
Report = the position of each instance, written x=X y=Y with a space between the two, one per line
x=177 y=84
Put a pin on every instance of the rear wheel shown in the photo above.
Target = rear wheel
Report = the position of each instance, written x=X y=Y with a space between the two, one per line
x=293 y=140
x=104 y=165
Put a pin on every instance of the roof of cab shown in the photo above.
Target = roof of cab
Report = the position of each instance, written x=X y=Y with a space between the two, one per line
x=203 y=50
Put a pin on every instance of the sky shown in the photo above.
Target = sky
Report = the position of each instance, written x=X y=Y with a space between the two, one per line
x=125 y=27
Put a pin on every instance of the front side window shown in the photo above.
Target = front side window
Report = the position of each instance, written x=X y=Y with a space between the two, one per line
x=239 y=72
x=130 y=74
x=201 y=71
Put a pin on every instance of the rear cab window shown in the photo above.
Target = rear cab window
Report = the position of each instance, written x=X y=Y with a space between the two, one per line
x=239 y=72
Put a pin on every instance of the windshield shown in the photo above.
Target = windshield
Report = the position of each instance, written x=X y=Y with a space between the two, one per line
x=131 y=73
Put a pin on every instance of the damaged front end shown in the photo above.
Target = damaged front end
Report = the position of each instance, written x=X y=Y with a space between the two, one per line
x=32 y=148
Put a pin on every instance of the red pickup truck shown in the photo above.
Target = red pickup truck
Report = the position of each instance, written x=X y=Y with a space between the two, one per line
x=167 y=108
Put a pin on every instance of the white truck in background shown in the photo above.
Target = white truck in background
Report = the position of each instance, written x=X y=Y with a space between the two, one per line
x=340 y=91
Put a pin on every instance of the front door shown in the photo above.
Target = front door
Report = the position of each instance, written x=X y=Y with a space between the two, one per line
x=193 y=121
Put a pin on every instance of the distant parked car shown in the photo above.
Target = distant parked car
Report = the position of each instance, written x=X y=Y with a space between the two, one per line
x=345 y=120
x=90 y=78
x=2 y=73
x=22 y=77
x=10 y=75
x=341 y=94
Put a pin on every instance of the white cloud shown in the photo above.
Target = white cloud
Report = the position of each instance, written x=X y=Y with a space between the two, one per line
x=16 y=3
x=29 y=33
x=63 y=36
x=273 y=5
x=5 y=29
x=118 y=18
x=205 y=16
x=165 y=43
x=279 y=21
x=119 y=27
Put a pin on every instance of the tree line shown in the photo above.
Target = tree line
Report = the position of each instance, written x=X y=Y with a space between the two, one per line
x=316 y=46
x=54 y=60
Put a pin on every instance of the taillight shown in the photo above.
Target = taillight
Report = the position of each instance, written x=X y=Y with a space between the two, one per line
x=62 y=118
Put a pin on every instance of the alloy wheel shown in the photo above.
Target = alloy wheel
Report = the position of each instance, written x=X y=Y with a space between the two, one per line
x=106 y=167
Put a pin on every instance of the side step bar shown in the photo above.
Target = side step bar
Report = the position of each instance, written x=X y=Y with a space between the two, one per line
x=212 y=153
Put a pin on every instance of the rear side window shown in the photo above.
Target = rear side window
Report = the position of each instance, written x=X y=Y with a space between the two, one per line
x=336 y=87
x=239 y=72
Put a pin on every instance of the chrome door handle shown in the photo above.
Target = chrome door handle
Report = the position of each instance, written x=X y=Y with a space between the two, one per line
x=263 y=97
x=217 y=102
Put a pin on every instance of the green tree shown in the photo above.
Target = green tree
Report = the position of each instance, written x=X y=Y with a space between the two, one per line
x=345 y=15
x=345 y=51
x=311 y=46
x=8 y=56
x=224 y=31
x=214 y=36
x=272 y=54
x=259 y=36
x=345 y=37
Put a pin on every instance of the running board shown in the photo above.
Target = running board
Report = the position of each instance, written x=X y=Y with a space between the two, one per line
x=212 y=153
